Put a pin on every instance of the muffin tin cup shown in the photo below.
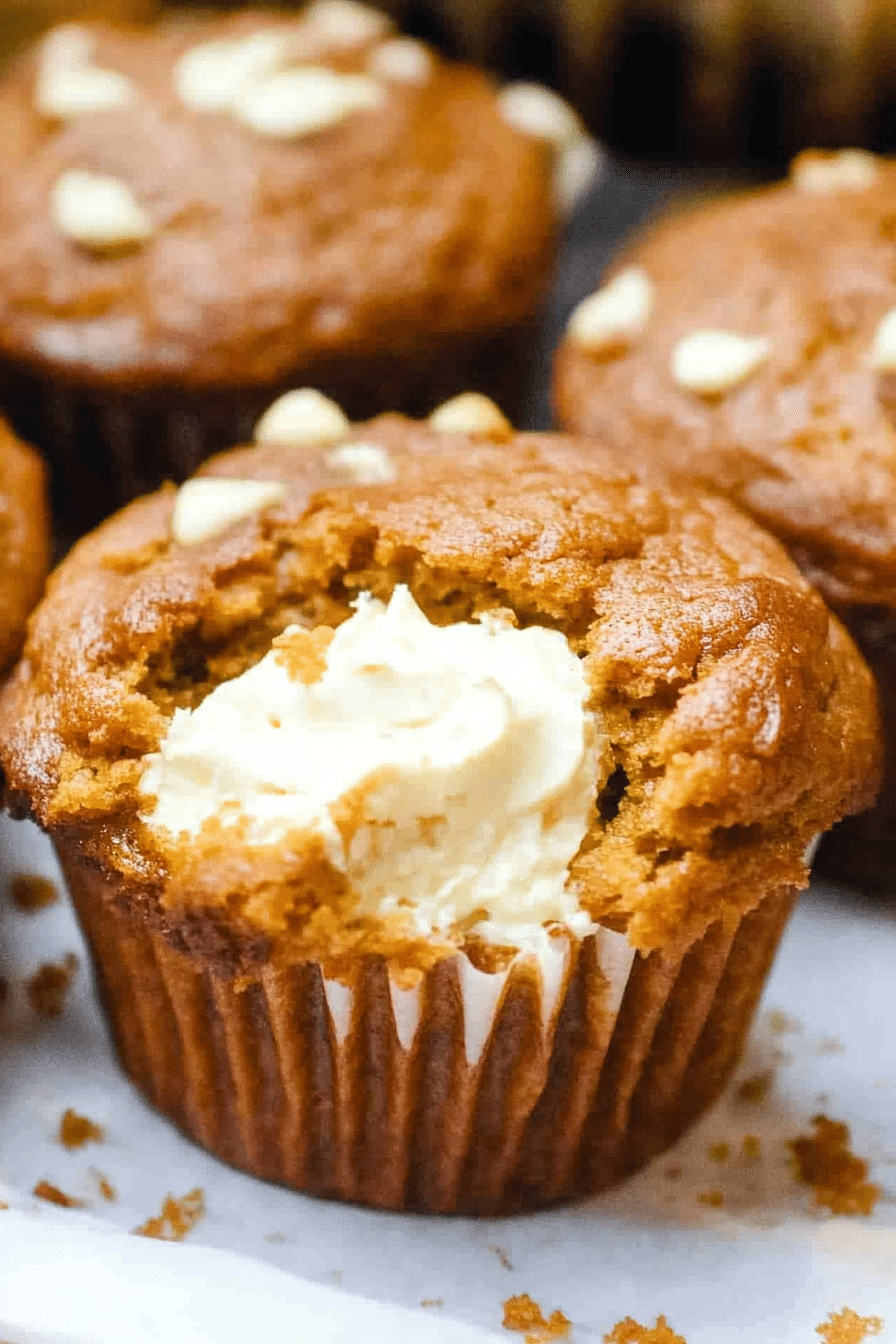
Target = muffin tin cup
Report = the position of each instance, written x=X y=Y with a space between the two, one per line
x=474 y=1093
x=105 y=446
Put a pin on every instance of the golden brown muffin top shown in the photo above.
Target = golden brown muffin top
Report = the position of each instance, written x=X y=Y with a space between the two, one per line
x=24 y=539
x=805 y=439
x=742 y=720
x=401 y=221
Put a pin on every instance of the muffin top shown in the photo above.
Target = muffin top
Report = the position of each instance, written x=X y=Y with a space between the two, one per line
x=214 y=200
x=750 y=345
x=573 y=645
x=24 y=539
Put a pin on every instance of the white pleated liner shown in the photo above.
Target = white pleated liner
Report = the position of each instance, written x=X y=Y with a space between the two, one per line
x=482 y=992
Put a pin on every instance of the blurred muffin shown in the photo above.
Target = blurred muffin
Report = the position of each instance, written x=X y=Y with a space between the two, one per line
x=24 y=539
x=751 y=346
x=195 y=216
x=433 y=798
x=729 y=77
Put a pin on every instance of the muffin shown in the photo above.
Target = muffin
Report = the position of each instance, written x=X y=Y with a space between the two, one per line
x=196 y=216
x=750 y=346
x=24 y=539
x=433 y=798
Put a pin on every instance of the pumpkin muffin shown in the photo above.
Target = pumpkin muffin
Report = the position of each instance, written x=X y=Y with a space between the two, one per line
x=433 y=798
x=198 y=215
x=24 y=539
x=750 y=346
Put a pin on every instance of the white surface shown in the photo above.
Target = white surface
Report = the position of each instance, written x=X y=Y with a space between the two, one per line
x=765 y=1269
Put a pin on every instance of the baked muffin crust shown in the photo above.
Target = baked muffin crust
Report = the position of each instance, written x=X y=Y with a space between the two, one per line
x=798 y=278
x=260 y=251
x=741 y=718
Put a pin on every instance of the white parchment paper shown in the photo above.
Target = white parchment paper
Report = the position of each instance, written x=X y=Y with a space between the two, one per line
x=760 y=1266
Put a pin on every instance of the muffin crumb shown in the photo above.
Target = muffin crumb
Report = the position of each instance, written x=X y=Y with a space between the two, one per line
x=837 y=1175
x=106 y=1188
x=782 y=1024
x=75 y=1131
x=751 y=1148
x=177 y=1219
x=713 y=1199
x=630 y=1332
x=29 y=893
x=720 y=1152
x=755 y=1090
x=48 y=987
x=53 y=1195
x=848 y=1327
x=502 y=1255
x=432 y=1302
x=523 y=1314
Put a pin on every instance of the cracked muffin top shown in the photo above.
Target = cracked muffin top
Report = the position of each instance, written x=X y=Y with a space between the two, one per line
x=442 y=631
x=750 y=345
x=216 y=199
x=24 y=539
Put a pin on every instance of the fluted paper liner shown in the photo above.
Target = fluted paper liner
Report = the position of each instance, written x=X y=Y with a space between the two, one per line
x=474 y=1093
x=107 y=446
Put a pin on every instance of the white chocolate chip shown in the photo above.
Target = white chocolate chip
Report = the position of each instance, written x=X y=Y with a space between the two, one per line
x=300 y=102
x=823 y=174
x=346 y=23
x=575 y=172
x=402 y=60
x=616 y=315
x=365 y=463
x=208 y=505
x=98 y=212
x=883 y=350
x=470 y=413
x=211 y=76
x=712 y=362
x=62 y=93
x=303 y=417
x=536 y=110
x=66 y=47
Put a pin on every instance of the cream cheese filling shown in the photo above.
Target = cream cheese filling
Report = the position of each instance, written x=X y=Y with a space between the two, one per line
x=464 y=755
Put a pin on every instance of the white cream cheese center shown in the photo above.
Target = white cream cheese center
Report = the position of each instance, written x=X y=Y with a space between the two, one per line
x=465 y=753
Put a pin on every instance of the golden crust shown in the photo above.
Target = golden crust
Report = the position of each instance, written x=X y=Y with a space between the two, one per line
x=422 y=217
x=24 y=539
x=742 y=719
x=807 y=443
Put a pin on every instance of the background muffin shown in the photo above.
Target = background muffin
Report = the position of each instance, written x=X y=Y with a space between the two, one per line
x=195 y=216
x=24 y=539
x=749 y=346
x=651 y=717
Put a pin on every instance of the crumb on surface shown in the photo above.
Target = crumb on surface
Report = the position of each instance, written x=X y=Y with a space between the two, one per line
x=755 y=1090
x=837 y=1175
x=829 y=1045
x=53 y=1195
x=432 y=1302
x=630 y=1332
x=720 y=1152
x=49 y=985
x=30 y=893
x=674 y=1173
x=106 y=1188
x=177 y=1219
x=523 y=1314
x=76 y=1130
x=502 y=1255
x=713 y=1199
x=275 y=1237
x=782 y=1023
x=847 y=1327
x=751 y=1148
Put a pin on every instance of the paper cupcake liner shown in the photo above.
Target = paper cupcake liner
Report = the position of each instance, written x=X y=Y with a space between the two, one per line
x=106 y=446
x=474 y=1093
x=860 y=852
